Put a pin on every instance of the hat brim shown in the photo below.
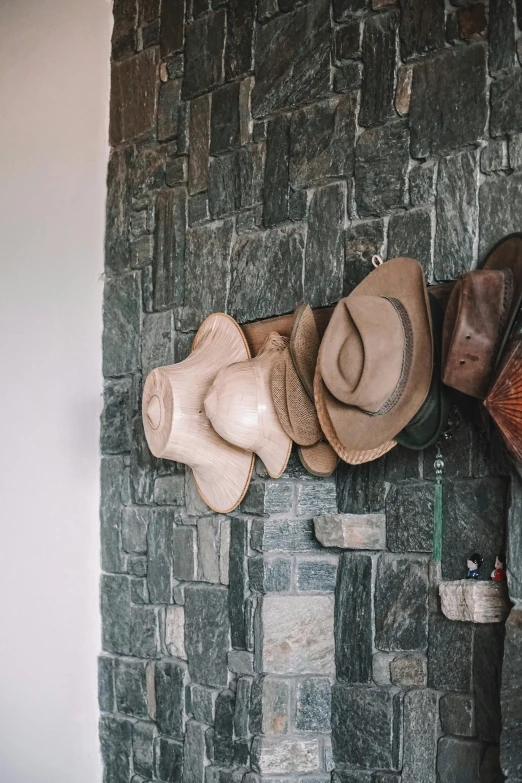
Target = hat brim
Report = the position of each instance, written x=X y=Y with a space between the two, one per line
x=507 y=254
x=319 y=459
x=351 y=456
x=356 y=430
x=221 y=471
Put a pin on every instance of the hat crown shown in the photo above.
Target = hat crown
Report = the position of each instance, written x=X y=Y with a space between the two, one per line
x=369 y=368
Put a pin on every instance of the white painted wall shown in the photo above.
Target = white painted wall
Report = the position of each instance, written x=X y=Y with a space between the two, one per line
x=54 y=88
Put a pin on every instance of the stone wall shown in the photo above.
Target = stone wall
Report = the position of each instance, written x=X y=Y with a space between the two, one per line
x=261 y=153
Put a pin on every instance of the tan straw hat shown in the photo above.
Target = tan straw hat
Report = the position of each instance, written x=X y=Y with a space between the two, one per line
x=292 y=392
x=376 y=359
x=239 y=405
x=175 y=422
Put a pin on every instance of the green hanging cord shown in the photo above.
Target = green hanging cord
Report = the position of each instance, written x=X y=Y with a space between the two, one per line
x=437 y=507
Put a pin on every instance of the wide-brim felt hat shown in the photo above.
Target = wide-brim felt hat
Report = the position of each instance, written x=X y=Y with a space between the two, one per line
x=479 y=316
x=430 y=421
x=176 y=425
x=240 y=407
x=292 y=393
x=376 y=359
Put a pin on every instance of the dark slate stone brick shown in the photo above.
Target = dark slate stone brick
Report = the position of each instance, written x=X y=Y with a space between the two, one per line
x=206 y=271
x=499 y=214
x=207 y=634
x=106 y=701
x=133 y=97
x=198 y=211
x=116 y=421
x=194 y=756
x=458 y=759
x=316 y=497
x=353 y=623
x=381 y=166
x=421 y=730
x=171 y=220
x=401 y=464
x=490 y=766
x=422 y=27
x=170 y=680
x=242 y=707
x=124 y=40
x=492 y=156
x=276 y=181
x=316 y=575
x=502 y=47
x=131 y=687
x=343 y=10
x=422 y=184
x=224 y=729
x=121 y=325
x=410 y=234
x=314 y=704
x=283 y=534
x=172 y=27
x=204 y=47
x=348 y=77
x=184 y=565
x=176 y=172
x=150 y=34
x=116 y=748
x=449 y=655
x=363 y=240
x=238 y=581
x=269 y=576
x=347 y=41
x=111 y=477
x=159 y=556
x=366 y=726
x=457 y=714
x=117 y=212
x=511 y=695
x=145 y=636
x=455 y=78
x=175 y=66
x=355 y=775
x=266 y=273
x=514 y=539
x=240 y=38
x=142 y=465
x=143 y=735
x=322 y=141
x=203 y=703
x=360 y=488
x=251 y=161
x=115 y=611
x=378 y=54
x=474 y=515
x=409 y=517
x=199 y=7
x=457 y=215
x=139 y=591
x=324 y=254
x=168 y=109
x=488 y=649
x=137 y=565
x=147 y=171
x=224 y=125
x=223 y=185
x=199 y=141
x=292 y=56
x=168 y=760
x=401 y=603
x=298 y=205
x=142 y=251
x=157 y=341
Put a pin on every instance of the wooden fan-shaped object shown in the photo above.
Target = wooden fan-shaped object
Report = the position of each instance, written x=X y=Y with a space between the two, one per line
x=504 y=401
x=175 y=422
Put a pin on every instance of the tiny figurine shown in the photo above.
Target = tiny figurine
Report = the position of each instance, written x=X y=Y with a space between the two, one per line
x=473 y=563
x=499 y=572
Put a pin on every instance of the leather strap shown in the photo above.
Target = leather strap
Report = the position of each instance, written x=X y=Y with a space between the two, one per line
x=476 y=318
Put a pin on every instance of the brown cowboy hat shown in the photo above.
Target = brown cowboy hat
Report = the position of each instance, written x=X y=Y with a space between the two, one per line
x=479 y=316
x=292 y=393
x=376 y=359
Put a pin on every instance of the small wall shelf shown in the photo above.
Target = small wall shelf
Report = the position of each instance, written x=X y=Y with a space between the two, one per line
x=475 y=601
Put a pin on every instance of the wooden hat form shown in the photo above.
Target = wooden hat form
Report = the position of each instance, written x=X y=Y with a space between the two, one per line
x=240 y=407
x=175 y=422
